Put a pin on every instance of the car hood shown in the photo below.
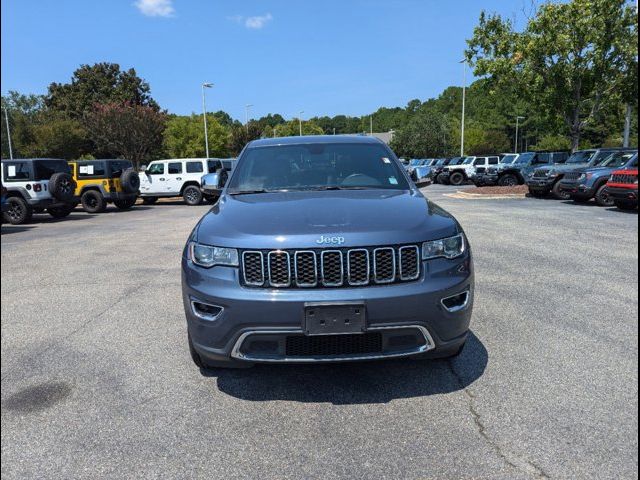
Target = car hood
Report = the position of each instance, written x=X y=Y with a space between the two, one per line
x=563 y=168
x=303 y=219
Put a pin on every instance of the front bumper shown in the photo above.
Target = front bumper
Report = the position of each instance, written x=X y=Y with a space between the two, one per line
x=623 y=194
x=578 y=190
x=540 y=184
x=411 y=312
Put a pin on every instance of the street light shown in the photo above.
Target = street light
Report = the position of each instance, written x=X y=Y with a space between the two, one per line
x=6 y=119
x=247 y=107
x=464 y=102
x=518 y=118
x=204 y=116
x=371 y=125
x=300 y=121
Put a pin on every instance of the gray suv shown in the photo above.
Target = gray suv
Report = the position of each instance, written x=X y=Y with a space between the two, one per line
x=321 y=249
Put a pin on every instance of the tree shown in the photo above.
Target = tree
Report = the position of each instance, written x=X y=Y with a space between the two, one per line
x=102 y=83
x=571 y=59
x=132 y=131
x=426 y=135
x=184 y=137
x=59 y=137
x=292 y=129
x=240 y=135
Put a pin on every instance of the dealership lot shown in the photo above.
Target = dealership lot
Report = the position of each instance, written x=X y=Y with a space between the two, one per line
x=97 y=380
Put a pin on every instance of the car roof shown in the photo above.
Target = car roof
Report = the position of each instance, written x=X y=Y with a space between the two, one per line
x=314 y=139
x=31 y=159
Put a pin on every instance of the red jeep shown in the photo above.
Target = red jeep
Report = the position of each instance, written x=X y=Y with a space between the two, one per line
x=623 y=188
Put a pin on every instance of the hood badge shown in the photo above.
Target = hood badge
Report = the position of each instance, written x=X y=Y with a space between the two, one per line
x=333 y=240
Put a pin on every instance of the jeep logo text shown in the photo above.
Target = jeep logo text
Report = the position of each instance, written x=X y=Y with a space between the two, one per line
x=330 y=240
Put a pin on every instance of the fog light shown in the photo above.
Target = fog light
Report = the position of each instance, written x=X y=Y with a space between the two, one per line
x=457 y=302
x=205 y=311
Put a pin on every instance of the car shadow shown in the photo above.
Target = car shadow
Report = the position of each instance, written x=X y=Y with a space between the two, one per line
x=627 y=212
x=71 y=218
x=7 y=229
x=355 y=383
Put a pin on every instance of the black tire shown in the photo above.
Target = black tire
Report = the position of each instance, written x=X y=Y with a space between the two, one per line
x=93 y=202
x=442 y=179
x=558 y=193
x=18 y=211
x=603 y=198
x=625 y=205
x=456 y=179
x=149 y=200
x=211 y=198
x=130 y=181
x=60 y=212
x=508 y=180
x=125 y=204
x=192 y=195
x=62 y=186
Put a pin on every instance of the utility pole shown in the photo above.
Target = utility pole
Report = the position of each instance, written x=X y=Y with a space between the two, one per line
x=6 y=119
x=371 y=125
x=300 y=121
x=464 y=104
x=247 y=107
x=204 y=116
x=518 y=118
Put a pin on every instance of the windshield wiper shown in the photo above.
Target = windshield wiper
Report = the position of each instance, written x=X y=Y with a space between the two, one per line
x=249 y=192
x=337 y=187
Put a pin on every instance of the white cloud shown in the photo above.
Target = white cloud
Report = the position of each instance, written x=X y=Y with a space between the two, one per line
x=155 y=8
x=254 y=23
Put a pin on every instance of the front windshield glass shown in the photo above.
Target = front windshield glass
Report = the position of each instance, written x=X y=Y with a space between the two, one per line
x=317 y=167
x=509 y=159
x=581 y=157
x=468 y=160
x=525 y=158
x=618 y=159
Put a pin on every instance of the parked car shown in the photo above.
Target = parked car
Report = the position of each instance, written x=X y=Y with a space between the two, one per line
x=438 y=168
x=623 y=188
x=3 y=198
x=480 y=176
x=101 y=182
x=420 y=170
x=461 y=173
x=546 y=179
x=178 y=177
x=35 y=185
x=515 y=169
x=212 y=184
x=321 y=249
x=584 y=184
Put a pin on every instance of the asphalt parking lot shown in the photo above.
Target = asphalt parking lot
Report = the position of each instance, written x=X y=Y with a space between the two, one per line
x=97 y=380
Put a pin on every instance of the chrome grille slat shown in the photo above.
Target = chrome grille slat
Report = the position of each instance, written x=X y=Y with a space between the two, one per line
x=331 y=268
x=624 y=178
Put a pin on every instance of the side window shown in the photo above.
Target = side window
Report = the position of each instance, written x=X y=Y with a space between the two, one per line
x=479 y=161
x=175 y=168
x=494 y=160
x=91 y=169
x=15 y=171
x=543 y=158
x=155 y=169
x=560 y=157
x=212 y=166
x=116 y=167
x=194 y=167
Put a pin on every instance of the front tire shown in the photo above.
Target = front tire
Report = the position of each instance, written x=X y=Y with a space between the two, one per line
x=508 y=180
x=442 y=179
x=558 y=193
x=149 y=200
x=93 y=202
x=18 y=211
x=456 y=179
x=192 y=195
x=603 y=198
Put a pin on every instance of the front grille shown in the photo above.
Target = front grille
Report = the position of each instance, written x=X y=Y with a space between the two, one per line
x=330 y=268
x=541 y=173
x=333 y=345
x=624 y=178
x=572 y=176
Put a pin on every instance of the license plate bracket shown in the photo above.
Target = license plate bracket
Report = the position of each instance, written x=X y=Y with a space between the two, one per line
x=334 y=319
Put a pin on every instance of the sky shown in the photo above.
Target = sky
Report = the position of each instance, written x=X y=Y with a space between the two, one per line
x=323 y=57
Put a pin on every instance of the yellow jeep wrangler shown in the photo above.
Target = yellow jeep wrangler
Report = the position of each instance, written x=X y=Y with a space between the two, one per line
x=100 y=182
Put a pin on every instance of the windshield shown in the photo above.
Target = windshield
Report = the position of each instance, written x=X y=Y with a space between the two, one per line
x=509 y=159
x=525 y=158
x=581 y=157
x=468 y=160
x=618 y=159
x=317 y=167
x=415 y=162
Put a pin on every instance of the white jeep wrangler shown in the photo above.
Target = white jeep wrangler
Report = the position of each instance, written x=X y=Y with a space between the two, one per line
x=458 y=174
x=35 y=185
x=175 y=178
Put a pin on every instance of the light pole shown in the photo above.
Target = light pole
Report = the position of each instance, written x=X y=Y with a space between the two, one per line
x=518 y=118
x=247 y=107
x=204 y=117
x=371 y=125
x=6 y=119
x=464 y=104
x=300 y=121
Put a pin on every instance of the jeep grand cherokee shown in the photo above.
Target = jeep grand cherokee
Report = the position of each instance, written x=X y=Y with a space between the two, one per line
x=321 y=249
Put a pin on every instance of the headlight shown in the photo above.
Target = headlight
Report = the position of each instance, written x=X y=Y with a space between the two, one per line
x=207 y=256
x=582 y=177
x=446 y=248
